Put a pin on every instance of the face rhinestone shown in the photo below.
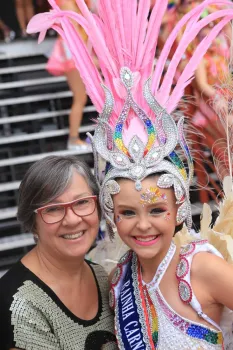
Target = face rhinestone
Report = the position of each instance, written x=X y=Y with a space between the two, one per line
x=185 y=291
x=167 y=216
x=182 y=268
x=118 y=219
x=151 y=196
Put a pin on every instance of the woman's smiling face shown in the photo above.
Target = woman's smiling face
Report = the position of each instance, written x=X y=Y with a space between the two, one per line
x=145 y=220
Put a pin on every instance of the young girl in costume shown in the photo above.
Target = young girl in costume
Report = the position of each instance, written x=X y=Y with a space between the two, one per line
x=61 y=63
x=164 y=296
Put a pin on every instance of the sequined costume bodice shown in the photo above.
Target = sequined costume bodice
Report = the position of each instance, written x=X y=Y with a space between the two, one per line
x=178 y=332
x=168 y=329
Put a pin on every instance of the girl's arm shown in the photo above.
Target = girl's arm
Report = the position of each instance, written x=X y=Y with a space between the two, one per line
x=216 y=278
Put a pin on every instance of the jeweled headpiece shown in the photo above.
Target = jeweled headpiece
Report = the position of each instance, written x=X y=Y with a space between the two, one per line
x=135 y=134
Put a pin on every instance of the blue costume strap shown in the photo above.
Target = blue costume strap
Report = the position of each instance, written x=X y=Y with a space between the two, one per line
x=131 y=324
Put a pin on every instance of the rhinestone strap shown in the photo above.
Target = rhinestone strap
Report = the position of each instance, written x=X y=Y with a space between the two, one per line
x=162 y=268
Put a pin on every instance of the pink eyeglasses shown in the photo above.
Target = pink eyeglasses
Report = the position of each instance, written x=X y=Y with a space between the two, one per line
x=54 y=213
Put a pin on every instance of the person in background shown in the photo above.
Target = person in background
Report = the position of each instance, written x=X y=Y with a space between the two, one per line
x=53 y=298
x=61 y=63
x=24 y=12
x=8 y=34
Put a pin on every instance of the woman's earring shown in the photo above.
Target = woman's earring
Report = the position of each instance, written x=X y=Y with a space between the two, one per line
x=36 y=237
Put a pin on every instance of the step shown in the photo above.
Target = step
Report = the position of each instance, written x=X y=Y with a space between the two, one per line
x=41 y=115
x=6 y=140
x=32 y=82
x=22 y=69
x=2 y=272
x=34 y=157
x=9 y=186
x=8 y=213
x=35 y=136
x=35 y=98
x=16 y=241
x=25 y=48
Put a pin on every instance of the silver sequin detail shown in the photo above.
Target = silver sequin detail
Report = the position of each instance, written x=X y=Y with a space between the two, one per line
x=182 y=213
x=116 y=275
x=172 y=328
x=185 y=291
x=39 y=323
x=182 y=268
x=126 y=257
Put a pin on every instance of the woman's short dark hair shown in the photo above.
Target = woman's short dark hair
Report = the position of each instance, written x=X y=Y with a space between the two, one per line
x=44 y=181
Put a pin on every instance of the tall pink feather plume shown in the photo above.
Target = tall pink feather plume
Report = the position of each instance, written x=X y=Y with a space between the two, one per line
x=151 y=40
x=187 y=38
x=188 y=20
x=196 y=58
x=127 y=20
x=142 y=23
x=121 y=35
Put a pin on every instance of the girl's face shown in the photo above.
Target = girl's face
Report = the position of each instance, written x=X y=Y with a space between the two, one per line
x=145 y=220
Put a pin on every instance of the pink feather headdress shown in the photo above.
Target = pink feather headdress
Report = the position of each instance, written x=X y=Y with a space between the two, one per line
x=135 y=133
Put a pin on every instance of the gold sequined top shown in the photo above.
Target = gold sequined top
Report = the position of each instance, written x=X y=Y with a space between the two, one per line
x=33 y=317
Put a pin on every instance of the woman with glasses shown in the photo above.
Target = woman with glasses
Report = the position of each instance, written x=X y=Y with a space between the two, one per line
x=53 y=298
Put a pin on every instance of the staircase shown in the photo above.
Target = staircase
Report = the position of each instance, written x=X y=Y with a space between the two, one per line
x=34 y=109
